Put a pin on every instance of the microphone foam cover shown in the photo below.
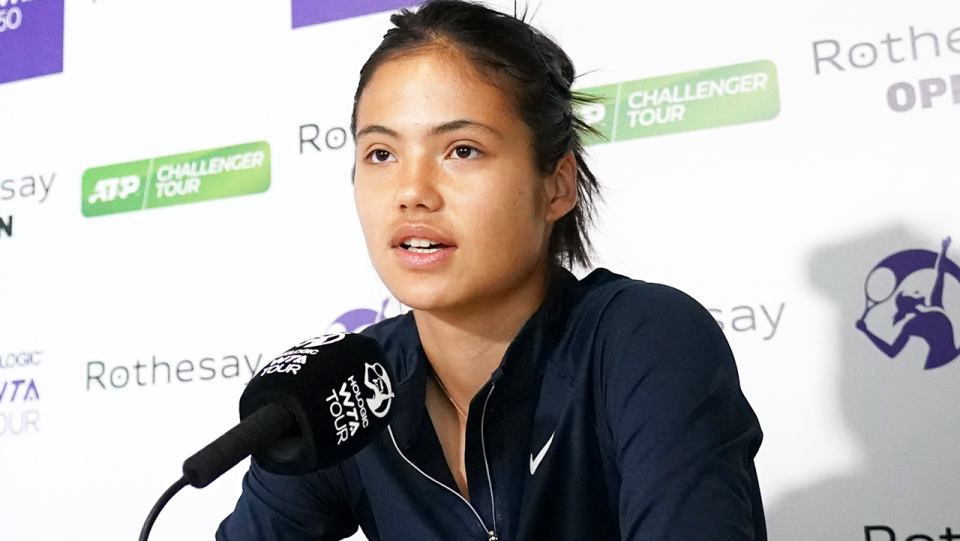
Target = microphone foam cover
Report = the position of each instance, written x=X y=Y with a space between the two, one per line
x=339 y=388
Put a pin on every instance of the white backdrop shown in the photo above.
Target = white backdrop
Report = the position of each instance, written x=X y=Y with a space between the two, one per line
x=774 y=225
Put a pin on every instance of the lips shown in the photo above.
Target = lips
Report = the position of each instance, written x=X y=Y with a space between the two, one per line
x=420 y=237
x=421 y=247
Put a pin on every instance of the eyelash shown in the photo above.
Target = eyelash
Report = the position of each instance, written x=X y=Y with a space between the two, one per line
x=458 y=147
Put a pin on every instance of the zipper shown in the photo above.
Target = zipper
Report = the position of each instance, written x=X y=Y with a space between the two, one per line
x=483 y=445
x=491 y=534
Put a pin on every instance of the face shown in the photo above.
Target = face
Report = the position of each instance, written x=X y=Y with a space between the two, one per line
x=453 y=210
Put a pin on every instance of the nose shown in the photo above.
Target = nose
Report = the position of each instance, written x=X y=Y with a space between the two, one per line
x=418 y=187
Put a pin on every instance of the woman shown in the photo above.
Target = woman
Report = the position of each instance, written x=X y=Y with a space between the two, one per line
x=529 y=405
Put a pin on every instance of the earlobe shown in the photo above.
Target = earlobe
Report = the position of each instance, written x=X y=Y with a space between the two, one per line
x=564 y=188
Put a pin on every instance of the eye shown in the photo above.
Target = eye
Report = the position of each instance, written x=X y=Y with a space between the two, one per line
x=465 y=152
x=381 y=156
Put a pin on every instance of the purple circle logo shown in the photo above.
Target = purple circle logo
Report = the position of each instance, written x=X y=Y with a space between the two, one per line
x=914 y=294
x=361 y=318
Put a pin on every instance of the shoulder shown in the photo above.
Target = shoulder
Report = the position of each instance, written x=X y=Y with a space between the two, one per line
x=639 y=327
x=658 y=356
x=619 y=304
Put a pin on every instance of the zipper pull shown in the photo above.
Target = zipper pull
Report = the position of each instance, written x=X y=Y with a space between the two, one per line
x=493 y=536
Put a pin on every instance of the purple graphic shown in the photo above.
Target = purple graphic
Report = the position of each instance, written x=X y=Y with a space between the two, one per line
x=357 y=320
x=307 y=12
x=31 y=38
x=899 y=291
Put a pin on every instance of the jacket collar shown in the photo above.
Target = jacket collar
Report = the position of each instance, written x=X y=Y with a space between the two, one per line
x=520 y=369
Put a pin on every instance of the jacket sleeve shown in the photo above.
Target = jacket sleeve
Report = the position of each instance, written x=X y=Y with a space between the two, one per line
x=290 y=508
x=683 y=435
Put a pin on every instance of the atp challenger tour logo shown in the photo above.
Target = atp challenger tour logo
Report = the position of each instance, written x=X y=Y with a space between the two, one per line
x=31 y=38
x=914 y=294
x=688 y=101
x=178 y=179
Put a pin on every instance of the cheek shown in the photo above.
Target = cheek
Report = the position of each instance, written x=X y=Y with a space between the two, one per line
x=368 y=210
x=507 y=218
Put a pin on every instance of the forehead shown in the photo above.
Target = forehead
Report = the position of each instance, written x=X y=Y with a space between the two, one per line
x=433 y=86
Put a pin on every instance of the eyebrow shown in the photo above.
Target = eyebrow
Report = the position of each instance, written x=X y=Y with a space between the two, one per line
x=455 y=125
x=376 y=128
x=439 y=129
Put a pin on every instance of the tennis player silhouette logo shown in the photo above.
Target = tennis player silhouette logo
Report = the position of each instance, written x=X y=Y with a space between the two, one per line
x=914 y=294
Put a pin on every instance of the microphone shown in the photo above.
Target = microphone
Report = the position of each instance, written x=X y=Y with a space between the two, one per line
x=317 y=404
x=312 y=407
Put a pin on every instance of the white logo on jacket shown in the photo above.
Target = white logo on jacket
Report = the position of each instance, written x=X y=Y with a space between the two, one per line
x=535 y=462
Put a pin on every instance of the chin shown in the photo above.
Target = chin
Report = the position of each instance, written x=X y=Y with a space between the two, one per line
x=423 y=292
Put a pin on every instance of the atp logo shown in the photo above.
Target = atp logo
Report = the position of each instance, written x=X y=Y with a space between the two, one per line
x=914 y=294
x=592 y=113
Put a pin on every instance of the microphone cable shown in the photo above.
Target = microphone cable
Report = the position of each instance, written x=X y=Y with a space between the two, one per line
x=288 y=425
x=164 y=498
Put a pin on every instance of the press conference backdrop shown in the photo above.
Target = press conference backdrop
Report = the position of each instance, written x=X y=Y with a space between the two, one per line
x=176 y=209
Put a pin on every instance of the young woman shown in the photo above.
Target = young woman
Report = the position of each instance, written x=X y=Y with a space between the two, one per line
x=529 y=405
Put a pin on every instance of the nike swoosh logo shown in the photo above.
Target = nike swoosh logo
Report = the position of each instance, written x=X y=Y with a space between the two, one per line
x=535 y=462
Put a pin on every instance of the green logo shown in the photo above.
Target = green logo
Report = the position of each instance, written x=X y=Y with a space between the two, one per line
x=178 y=179
x=684 y=102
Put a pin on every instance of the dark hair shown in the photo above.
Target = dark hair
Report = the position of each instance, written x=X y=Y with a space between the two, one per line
x=537 y=75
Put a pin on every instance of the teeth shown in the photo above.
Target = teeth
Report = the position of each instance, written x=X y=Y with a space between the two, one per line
x=420 y=243
x=422 y=250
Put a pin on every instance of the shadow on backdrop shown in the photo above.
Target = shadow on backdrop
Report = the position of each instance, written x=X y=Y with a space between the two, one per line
x=905 y=418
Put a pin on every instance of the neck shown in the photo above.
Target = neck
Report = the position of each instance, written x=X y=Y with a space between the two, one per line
x=466 y=345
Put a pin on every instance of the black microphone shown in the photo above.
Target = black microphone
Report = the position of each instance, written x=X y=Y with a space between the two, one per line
x=312 y=407
x=317 y=404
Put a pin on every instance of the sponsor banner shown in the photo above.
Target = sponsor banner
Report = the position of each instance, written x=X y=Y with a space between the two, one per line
x=18 y=416
x=178 y=179
x=31 y=38
x=832 y=58
x=684 y=102
x=308 y=12
x=27 y=187
x=20 y=359
x=103 y=376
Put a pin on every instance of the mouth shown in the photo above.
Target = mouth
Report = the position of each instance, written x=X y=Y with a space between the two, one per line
x=422 y=246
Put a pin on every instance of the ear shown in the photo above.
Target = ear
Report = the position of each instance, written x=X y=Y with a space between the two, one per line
x=561 y=189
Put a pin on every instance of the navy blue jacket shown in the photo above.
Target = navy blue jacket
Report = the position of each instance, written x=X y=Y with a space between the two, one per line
x=616 y=414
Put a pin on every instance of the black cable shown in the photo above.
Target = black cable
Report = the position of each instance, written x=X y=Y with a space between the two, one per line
x=152 y=517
